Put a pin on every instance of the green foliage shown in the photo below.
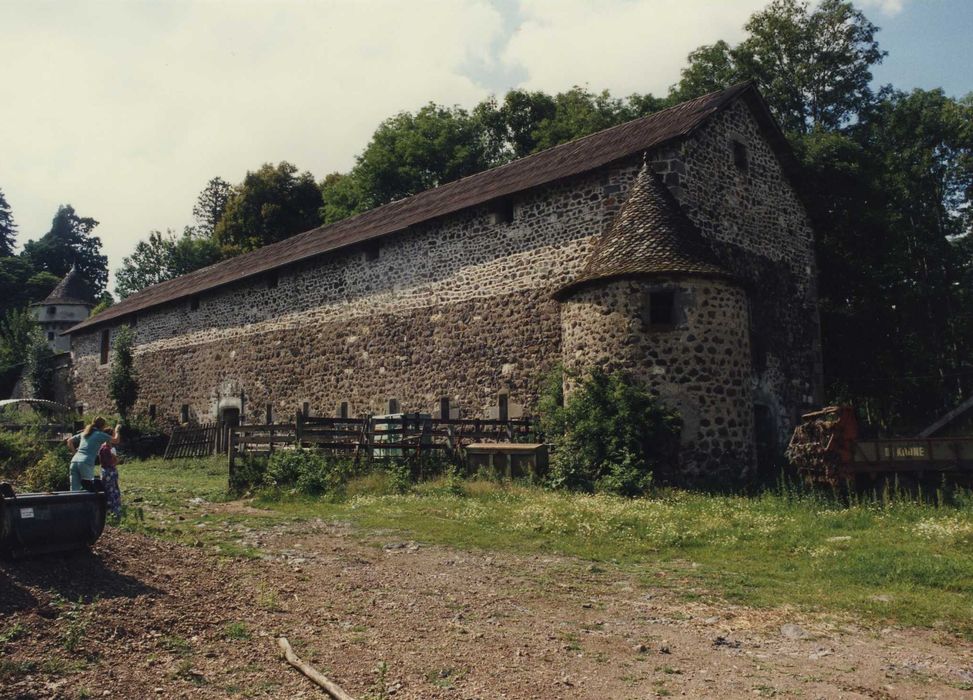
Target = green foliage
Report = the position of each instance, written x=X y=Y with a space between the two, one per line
x=19 y=450
x=17 y=332
x=50 y=472
x=812 y=64
x=40 y=368
x=123 y=385
x=308 y=472
x=8 y=229
x=616 y=437
x=271 y=204
x=70 y=243
x=163 y=257
x=210 y=206
x=21 y=284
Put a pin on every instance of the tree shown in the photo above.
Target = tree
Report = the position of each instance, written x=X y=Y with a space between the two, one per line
x=211 y=204
x=123 y=385
x=20 y=284
x=17 y=332
x=163 y=256
x=271 y=204
x=8 y=229
x=343 y=196
x=70 y=242
x=40 y=367
x=812 y=65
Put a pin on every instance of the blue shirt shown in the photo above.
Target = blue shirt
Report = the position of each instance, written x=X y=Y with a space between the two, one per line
x=88 y=447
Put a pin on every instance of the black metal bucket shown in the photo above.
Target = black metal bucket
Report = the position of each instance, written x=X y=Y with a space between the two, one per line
x=41 y=523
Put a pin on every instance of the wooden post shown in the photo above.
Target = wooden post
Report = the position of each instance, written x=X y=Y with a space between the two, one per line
x=231 y=455
x=299 y=428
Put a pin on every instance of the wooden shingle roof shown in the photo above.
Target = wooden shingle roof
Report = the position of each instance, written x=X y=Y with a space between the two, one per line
x=70 y=290
x=572 y=158
x=651 y=235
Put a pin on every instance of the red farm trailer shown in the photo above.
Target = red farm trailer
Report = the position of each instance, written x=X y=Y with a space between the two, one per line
x=826 y=448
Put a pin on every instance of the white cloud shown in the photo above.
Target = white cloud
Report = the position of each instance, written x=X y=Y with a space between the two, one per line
x=887 y=7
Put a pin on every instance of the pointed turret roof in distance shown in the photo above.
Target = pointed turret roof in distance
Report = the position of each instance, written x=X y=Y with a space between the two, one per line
x=651 y=235
x=71 y=290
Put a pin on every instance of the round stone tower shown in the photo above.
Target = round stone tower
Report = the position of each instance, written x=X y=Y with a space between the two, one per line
x=63 y=308
x=653 y=302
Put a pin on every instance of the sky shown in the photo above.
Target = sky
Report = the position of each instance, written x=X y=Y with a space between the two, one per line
x=125 y=109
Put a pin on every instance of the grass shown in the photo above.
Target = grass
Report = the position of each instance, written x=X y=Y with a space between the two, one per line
x=885 y=559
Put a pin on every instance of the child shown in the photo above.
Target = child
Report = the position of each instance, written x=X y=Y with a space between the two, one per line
x=108 y=459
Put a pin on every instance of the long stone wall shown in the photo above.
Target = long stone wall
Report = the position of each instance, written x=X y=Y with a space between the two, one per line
x=462 y=307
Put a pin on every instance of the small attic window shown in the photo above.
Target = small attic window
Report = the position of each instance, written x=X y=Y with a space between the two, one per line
x=273 y=279
x=502 y=211
x=133 y=321
x=662 y=309
x=194 y=303
x=51 y=310
x=372 y=250
x=740 y=157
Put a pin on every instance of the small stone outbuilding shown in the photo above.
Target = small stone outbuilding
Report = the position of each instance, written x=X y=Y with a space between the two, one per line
x=674 y=247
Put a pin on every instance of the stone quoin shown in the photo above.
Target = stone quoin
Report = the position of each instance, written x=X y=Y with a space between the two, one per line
x=674 y=247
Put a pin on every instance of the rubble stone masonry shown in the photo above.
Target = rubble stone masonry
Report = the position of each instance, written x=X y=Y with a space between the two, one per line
x=463 y=307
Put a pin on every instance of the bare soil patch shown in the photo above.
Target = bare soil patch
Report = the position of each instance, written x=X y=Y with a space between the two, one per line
x=388 y=618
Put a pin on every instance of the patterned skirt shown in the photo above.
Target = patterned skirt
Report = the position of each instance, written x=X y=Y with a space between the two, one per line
x=109 y=479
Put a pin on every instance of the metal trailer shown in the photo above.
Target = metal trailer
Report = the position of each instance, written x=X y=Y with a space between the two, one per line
x=43 y=523
x=826 y=449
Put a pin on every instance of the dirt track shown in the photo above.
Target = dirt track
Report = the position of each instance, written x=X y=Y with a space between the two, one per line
x=175 y=621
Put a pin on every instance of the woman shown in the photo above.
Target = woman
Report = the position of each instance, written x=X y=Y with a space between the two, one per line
x=85 y=446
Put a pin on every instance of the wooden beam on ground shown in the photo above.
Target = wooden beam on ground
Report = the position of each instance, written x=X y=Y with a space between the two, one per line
x=330 y=687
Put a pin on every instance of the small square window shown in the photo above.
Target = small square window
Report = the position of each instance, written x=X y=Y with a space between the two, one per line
x=194 y=303
x=50 y=335
x=372 y=251
x=273 y=279
x=662 y=309
x=503 y=211
x=740 y=158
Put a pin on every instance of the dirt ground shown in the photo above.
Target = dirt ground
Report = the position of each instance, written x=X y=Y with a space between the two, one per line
x=392 y=619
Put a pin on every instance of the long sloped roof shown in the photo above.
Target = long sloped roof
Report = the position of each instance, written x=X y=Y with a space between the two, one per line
x=572 y=158
x=651 y=235
x=70 y=290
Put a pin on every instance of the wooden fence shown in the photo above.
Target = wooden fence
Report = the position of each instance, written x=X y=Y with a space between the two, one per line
x=197 y=441
x=371 y=437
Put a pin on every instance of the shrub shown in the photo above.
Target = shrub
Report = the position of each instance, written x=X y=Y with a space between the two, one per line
x=123 y=386
x=308 y=472
x=398 y=476
x=248 y=472
x=18 y=451
x=50 y=473
x=284 y=466
x=615 y=437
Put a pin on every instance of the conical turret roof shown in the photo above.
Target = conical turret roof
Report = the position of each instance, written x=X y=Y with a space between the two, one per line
x=651 y=235
x=71 y=290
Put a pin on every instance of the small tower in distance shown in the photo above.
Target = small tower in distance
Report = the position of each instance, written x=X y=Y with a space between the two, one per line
x=64 y=307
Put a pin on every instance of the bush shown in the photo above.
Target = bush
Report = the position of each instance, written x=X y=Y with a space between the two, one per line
x=18 y=451
x=615 y=436
x=50 y=473
x=309 y=472
x=248 y=472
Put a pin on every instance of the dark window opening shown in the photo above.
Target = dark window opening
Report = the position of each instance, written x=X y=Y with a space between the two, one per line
x=51 y=310
x=503 y=211
x=343 y=410
x=306 y=409
x=105 y=346
x=152 y=411
x=372 y=250
x=194 y=303
x=503 y=407
x=393 y=405
x=765 y=437
x=80 y=409
x=444 y=408
x=133 y=321
x=740 y=158
x=270 y=413
x=184 y=413
x=273 y=279
x=50 y=335
x=662 y=309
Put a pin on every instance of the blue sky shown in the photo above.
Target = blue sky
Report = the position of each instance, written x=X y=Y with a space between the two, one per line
x=126 y=108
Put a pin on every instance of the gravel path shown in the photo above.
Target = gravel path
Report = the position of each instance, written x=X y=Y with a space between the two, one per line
x=392 y=619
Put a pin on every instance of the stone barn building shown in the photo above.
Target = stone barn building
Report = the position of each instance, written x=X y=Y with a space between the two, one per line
x=674 y=247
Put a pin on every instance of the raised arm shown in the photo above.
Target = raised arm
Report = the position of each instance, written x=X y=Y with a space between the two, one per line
x=70 y=443
x=116 y=437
